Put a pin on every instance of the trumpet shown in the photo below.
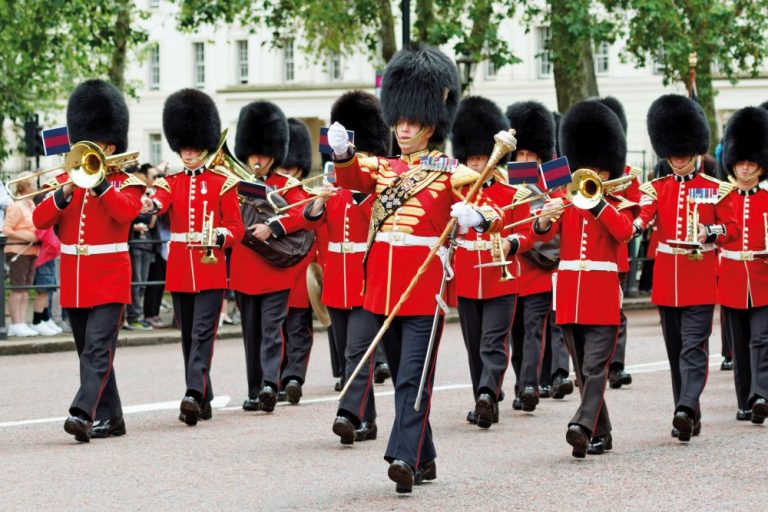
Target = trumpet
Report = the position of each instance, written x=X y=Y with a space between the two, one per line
x=313 y=194
x=87 y=166
x=208 y=241
x=499 y=259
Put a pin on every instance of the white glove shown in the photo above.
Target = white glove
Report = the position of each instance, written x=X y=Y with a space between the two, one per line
x=466 y=215
x=338 y=139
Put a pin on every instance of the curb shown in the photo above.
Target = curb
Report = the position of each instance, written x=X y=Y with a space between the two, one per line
x=65 y=343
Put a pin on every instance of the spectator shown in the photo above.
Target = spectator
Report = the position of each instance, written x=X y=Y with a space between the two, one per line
x=161 y=235
x=46 y=274
x=20 y=254
x=5 y=201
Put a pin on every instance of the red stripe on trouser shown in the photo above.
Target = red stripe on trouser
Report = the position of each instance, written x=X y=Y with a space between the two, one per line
x=429 y=401
x=109 y=370
x=367 y=387
x=506 y=351
x=605 y=381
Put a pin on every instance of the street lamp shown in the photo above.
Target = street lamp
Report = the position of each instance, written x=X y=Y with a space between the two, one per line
x=466 y=65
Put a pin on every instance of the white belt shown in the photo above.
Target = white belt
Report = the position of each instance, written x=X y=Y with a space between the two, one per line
x=91 y=250
x=476 y=245
x=588 y=265
x=347 y=247
x=191 y=237
x=678 y=251
x=403 y=239
x=738 y=255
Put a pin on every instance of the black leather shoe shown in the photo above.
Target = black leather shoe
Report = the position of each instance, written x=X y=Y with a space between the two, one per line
x=472 y=417
x=206 y=411
x=338 y=386
x=529 y=398
x=578 y=438
x=345 y=429
x=281 y=396
x=618 y=378
x=600 y=444
x=267 y=399
x=293 y=391
x=696 y=430
x=381 y=373
x=517 y=404
x=107 y=428
x=367 y=431
x=403 y=476
x=190 y=409
x=251 y=404
x=485 y=407
x=427 y=471
x=759 y=411
x=561 y=387
x=744 y=415
x=79 y=427
x=545 y=391
x=683 y=422
x=726 y=365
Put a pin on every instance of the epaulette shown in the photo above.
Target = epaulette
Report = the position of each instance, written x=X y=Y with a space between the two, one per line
x=132 y=181
x=371 y=163
x=163 y=184
x=462 y=176
x=648 y=189
x=624 y=203
x=723 y=188
x=230 y=183
x=522 y=193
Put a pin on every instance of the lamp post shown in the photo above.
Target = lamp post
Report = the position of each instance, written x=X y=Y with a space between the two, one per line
x=466 y=65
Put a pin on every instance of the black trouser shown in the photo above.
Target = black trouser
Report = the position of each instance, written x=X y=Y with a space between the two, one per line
x=406 y=349
x=140 y=263
x=748 y=328
x=153 y=295
x=95 y=331
x=198 y=317
x=591 y=347
x=686 y=335
x=297 y=330
x=359 y=327
x=726 y=343
x=262 y=319
x=529 y=336
x=617 y=363
x=485 y=324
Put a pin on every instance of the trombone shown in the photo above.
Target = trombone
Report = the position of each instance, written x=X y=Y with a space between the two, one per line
x=584 y=192
x=87 y=166
x=313 y=195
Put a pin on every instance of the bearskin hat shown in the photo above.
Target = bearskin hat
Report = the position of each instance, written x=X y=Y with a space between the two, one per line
x=677 y=126
x=191 y=120
x=615 y=105
x=534 y=128
x=97 y=112
x=746 y=138
x=421 y=84
x=764 y=105
x=477 y=120
x=591 y=136
x=299 y=147
x=361 y=112
x=262 y=130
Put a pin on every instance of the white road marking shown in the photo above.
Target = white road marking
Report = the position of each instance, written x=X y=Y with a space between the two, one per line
x=221 y=402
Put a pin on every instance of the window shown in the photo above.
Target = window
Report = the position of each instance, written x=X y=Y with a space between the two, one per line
x=490 y=70
x=199 y=56
x=154 y=67
x=658 y=62
x=334 y=67
x=288 y=64
x=544 y=55
x=242 y=62
x=602 y=58
x=155 y=148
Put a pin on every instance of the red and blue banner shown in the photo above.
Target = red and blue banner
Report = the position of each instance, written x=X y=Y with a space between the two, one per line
x=556 y=173
x=325 y=148
x=56 y=141
x=520 y=173
x=253 y=189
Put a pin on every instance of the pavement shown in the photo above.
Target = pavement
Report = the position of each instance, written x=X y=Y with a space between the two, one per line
x=290 y=460
x=64 y=342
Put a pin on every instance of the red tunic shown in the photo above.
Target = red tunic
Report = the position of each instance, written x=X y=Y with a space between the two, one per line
x=585 y=294
x=742 y=282
x=252 y=274
x=632 y=193
x=404 y=240
x=185 y=196
x=90 y=220
x=486 y=283
x=677 y=280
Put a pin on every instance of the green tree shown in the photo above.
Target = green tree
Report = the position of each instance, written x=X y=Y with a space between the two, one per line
x=40 y=62
x=728 y=37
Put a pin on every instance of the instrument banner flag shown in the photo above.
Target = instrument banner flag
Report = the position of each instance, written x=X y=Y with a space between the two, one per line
x=556 y=173
x=252 y=189
x=325 y=148
x=56 y=141
x=522 y=173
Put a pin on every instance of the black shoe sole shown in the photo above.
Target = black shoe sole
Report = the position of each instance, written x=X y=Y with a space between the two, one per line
x=578 y=440
x=517 y=405
x=369 y=435
x=381 y=375
x=484 y=410
x=684 y=428
x=95 y=434
x=293 y=393
x=268 y=401
x=759 y=413
x=562 y=390
x=530 y=401
x=402 y=477
x=346 y=431
x=76 y=429
x=191 y=413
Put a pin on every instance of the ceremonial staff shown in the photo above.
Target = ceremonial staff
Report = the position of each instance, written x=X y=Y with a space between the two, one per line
x=505 y=143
